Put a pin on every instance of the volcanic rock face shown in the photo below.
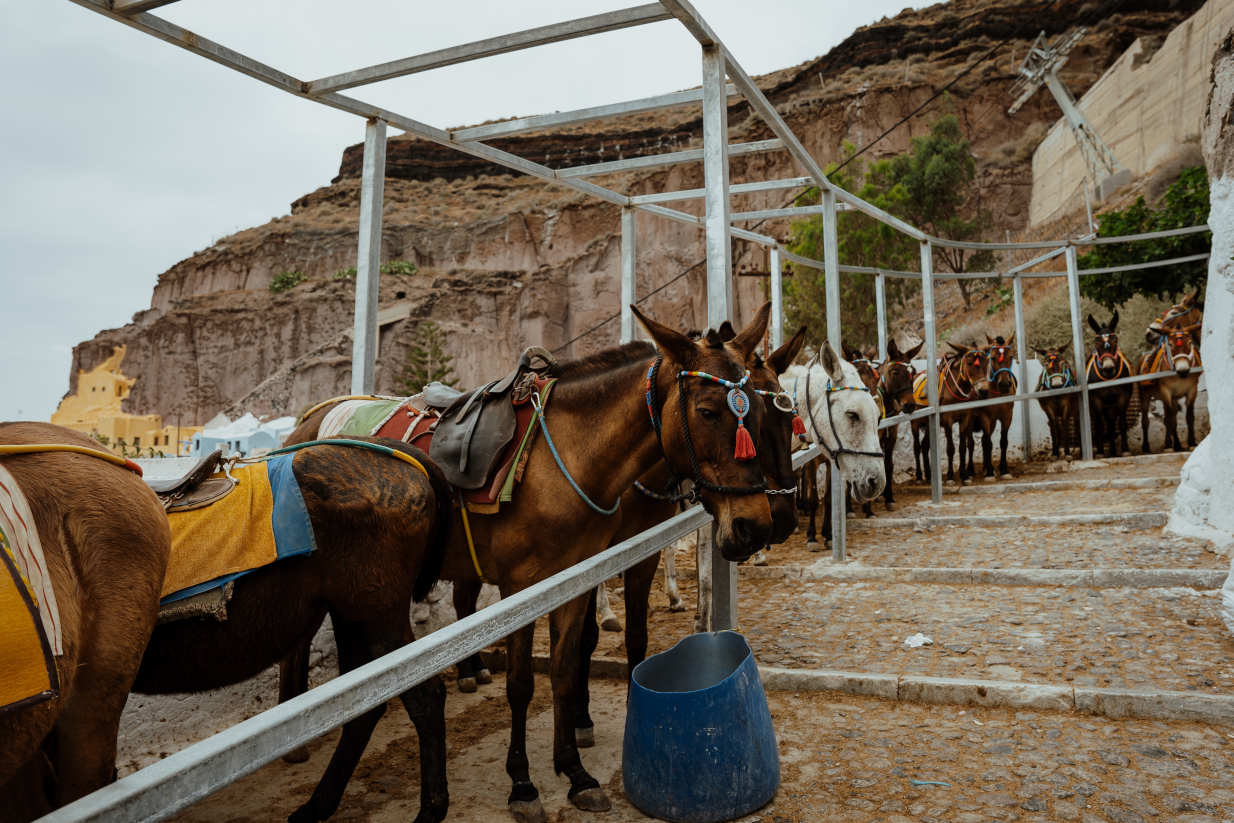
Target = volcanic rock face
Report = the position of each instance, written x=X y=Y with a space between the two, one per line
x=507 y=261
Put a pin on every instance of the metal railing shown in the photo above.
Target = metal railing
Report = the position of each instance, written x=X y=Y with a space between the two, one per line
x=174 y=783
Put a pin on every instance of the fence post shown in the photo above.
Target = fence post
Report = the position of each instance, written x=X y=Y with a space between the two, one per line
x=835 y=336
x=777 y=299
x=719 y=278
x=1077 y=346
x=368 y=259
x=880 y=304
x=628 y=268
x=931 y=347
x=1021 y=348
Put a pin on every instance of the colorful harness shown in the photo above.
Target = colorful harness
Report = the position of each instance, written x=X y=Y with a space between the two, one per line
x=1043 y=381
x=1123 y=363
x=1164 y=353
x=954 y=388
x=841 y=449
x=991 y=375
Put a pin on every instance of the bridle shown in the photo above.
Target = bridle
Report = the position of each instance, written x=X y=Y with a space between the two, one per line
x=832 y=454
x=883 y=388
x=993 y=375
x=736 y=399
x=1046 y=375
x=1179 y=337
x=1095 y=361
x=955 y=386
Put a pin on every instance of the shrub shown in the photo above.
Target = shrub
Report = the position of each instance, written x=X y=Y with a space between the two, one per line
x=285 y=280
x=398 y=268
x=348 y=273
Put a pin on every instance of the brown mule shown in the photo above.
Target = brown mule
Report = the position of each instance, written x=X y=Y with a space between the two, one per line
x=106 y=543
x=1060 y=411
x=381 y=529
x=1107 y=407
x=598 y=418
x=999 y=357
x=962 y=377
x=1178 y=351
x=895 y=386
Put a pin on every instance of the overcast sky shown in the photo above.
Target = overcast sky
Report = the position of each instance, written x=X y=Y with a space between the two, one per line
x=123 y=155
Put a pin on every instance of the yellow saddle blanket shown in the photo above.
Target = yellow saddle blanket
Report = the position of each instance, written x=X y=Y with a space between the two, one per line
x=262 y=520
x=920 y=396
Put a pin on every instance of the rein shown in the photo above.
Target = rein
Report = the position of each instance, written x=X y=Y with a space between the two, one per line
x=954 y=388
x=535 y=402
x=841 y=449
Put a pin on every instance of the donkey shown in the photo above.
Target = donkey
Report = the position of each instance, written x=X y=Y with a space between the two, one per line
x=382 y=529
x=1177 y=353
x=868 y=372
x=962 y=376
x=1108 y=406
x=1060 y=410
x=106 y=544
x=895 y=385
x=563 y=510
x=999 y=360
x=1186 y=313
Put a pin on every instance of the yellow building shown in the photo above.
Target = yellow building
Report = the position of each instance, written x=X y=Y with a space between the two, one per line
x=95 y=411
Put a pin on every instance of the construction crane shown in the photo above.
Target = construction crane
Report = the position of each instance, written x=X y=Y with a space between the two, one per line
x=1040 y=68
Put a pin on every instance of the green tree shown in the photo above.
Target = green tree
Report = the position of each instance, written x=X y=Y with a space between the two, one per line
x=937 y=178
x=426 y=362
x=1185 y=204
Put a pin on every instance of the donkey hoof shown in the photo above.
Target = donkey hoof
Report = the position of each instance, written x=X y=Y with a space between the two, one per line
x=891 y=507
x=484 y=677
x=591 y=800
x=813 y=546
x=968 y=481
x=948 y=482
x=677 y=605
x=1126 y=454
x=466 y=685
x=528 y=811
x=611 y=624
x=300 y=755
x=308 y=813
x=585 y=738
x=1006 y=476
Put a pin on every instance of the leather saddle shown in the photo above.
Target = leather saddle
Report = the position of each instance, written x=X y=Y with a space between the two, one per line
x=477 y=426
x=196 y=488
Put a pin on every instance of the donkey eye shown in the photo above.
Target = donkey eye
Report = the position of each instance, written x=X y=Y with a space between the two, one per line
x=707 y=414
x=853 y=417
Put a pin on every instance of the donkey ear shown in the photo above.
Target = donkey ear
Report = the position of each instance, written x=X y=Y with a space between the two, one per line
x=672 y=342
x=893 y=350
x=752 y=334
x=988 y=339
x=911 y=353
x=1063 y=347
x=1041 y=352
x=784 y=356
x=1190 y=299
x=727 y=332
x=1010 y=340
x=850 y=354
x=1194 y=328
x=959 y=347
x=1114 y=321
x=1093 y=323
x=831 y=363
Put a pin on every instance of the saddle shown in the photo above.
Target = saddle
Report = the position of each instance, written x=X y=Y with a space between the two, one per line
x=196 y=488
x=476 y=427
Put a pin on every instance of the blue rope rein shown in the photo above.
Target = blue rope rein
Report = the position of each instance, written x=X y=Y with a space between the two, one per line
x=535 y=401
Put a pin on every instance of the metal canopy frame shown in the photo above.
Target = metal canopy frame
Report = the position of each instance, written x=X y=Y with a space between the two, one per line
x=162 y=789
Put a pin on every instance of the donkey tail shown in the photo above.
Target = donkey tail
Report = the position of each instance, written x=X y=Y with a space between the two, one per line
x=443 y=493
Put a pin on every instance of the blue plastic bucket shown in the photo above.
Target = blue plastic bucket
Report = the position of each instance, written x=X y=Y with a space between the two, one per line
x=699 y=745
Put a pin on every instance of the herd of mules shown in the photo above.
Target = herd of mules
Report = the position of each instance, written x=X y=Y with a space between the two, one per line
x=979 y=372
x=702 y=419
x=637 y=428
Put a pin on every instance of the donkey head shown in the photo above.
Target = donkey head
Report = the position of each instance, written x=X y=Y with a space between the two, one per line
x=1105 y=347
x=1000 y=354
x=866 y=371
x=1182 y=348
x=1056 y=368
x=972 y=368
x=897 y=378
x=711 y=422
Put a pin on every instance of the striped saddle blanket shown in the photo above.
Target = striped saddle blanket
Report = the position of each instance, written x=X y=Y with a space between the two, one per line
x=410 y=421
x=30 y=635
x=262 y=520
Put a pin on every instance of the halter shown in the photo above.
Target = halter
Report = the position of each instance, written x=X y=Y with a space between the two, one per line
x=882 y=382
x=832 y=455
x=799 y=427
x=1179 y=336
x=1043 y=383
x=955 y=379
x=738 y=403
x=1118 y=353
x=991 y=375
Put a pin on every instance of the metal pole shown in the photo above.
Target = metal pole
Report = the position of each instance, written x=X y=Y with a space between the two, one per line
x=1021 y=348
x=628 y=268
x=880 y=303
x=777 y=299
x=1077 y=346
x=368 y=259
x=715 y=184
x=931 y=347
x=719 y=279
x=835 y=336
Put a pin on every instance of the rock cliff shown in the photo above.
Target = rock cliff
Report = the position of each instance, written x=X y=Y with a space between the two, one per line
x=507 y=261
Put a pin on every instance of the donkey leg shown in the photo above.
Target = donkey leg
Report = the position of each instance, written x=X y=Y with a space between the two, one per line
x=524 y=800
x=584 y=728
x=293 y=681
x=951 y=457
x=465 y=597
x=987 y=453
x=352 y=653
x=675 y=603
x=608 y=620
x=1145 y=404
x=809 y=477
x=1122 y=426
x=889 y=497
x=565 y=628
x=637 y=595
x=1003 y=472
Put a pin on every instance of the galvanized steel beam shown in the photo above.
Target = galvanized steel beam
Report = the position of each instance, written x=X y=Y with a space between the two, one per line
x=368 y=259
x=777 y=298
x=659 y=160
x=556 y=33
x=1077 y=348
x=137 y=6
x=931 y=347
x=628 y=271
x=1021 y=347
x=880 y=308
x=565 y=118
x=835 y=336
x=740 y=188
x=794 y=211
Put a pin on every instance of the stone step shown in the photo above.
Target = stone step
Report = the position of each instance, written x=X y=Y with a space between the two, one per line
x=1059 y=485
x=1079 y=465
x=1130 y=520
x=1088 y=578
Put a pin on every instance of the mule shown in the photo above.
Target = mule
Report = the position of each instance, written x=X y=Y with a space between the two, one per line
x=963 y=376
x=895 y=386
x=566 y=506
x=1061 y=411
x=106 y=545
x=381 y=529
x=1107 y=406
x=1177 y=353
x=1190 y=311
x=868 y=372
x=999 y=359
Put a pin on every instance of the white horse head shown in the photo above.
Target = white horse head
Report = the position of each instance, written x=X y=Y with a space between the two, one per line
x=844 y=417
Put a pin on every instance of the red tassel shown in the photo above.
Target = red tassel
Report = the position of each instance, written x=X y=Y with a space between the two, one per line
x=745 y=446
x=799 y=425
